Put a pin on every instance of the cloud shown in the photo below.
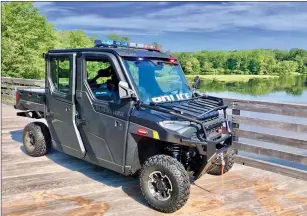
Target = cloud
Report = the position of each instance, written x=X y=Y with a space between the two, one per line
x=162 y=3
x=201 y=17
x=110 y=4
x=118 y=32
x=48 y=7
x=42 y=4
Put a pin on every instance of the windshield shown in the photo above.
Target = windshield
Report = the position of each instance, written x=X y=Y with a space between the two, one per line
x=158 y=80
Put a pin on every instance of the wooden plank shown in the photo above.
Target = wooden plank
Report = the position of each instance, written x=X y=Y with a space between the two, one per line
x=280 y=169
x=10 y=97
x=288 y=109
x=297 y=143
x=229 y=102
x=301 y=159
x=101 y=180
x=59 y=180
x=33 y=82
x=8 y=91
x=270 y=124
x=7 y=85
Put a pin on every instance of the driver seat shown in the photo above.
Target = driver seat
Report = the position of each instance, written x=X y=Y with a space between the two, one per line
x=112 y=86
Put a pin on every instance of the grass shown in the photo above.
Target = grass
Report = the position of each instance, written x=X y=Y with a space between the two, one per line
x=11 y=101
x=231 y=78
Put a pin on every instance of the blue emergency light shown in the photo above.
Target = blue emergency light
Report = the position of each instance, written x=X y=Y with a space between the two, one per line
x=113 y=43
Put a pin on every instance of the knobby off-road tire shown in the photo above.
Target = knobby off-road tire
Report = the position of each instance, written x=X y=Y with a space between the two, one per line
x=229 y=161
x=175 y=173
x=36 y=139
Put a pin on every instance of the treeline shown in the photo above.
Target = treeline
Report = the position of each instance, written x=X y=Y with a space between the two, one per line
x=26 y=34
x=257 y=62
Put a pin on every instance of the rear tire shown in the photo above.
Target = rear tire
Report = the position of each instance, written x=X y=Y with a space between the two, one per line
x=229 y=158
x=165 y=183
x=36 y=139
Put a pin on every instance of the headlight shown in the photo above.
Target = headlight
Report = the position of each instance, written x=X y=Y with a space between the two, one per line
x=174 y=125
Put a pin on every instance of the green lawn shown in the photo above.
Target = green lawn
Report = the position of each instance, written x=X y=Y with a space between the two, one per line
x=230 y=78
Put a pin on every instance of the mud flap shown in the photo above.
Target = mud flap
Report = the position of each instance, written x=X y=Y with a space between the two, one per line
x=214 y=158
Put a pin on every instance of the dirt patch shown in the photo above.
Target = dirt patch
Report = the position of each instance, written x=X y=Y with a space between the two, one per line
x=198 y=205
x=87 y=207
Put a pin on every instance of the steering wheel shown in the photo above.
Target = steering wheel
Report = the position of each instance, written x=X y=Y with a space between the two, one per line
x=172 y=91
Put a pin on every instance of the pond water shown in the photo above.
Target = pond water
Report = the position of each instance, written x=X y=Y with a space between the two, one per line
x=291 y=89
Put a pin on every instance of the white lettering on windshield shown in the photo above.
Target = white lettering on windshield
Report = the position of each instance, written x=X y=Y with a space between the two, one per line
x=169 y=98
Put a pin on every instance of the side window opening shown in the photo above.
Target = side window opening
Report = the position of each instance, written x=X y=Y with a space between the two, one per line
x=60 y=73
x=102 y=79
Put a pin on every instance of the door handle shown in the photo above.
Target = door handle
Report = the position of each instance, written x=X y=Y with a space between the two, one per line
x=119 y=124
x=49 y=115
x=81 y=121
x=67 y=109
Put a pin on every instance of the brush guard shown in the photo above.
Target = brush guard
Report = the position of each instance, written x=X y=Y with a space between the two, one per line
x=197 y=110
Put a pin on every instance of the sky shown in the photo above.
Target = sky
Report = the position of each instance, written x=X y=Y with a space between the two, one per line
x=188 y=26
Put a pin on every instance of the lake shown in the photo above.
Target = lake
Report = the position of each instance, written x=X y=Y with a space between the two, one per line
x=291 y=89
x=284 y=89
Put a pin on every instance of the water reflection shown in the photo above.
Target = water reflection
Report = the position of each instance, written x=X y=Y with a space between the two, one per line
x=292 y=89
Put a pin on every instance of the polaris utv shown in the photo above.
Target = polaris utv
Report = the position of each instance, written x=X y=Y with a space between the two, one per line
x=129 y=108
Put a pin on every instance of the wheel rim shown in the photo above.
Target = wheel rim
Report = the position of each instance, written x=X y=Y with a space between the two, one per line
x=160 y=185
x=30 y=140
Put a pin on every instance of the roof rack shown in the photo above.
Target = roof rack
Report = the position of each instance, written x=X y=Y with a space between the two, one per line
x=117 y=44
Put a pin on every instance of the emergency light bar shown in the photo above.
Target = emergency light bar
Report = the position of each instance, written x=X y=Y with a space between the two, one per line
x=113 y=43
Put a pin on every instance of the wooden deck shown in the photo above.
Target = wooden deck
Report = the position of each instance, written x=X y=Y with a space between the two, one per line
x=62 y=185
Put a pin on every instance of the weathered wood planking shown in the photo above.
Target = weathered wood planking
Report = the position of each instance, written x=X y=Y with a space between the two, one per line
x=288 y=109
x=277 y=138
x=280 y=140
x=9 y=85
x=288 y=171
x=62 y=185
x=270 y=123
x=289 y=156
x=22 y=81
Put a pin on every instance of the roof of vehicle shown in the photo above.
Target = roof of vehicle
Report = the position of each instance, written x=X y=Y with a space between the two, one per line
x=126 y=52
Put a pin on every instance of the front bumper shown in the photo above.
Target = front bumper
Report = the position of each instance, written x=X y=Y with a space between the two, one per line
x=210 y=150
x=213 y=159
x=207 y=147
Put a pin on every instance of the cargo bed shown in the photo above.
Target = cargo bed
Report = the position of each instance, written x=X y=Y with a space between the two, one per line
x=33 y=99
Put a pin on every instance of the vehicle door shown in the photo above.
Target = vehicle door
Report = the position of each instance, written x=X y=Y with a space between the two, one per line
x=104 y=119
x=60 y=103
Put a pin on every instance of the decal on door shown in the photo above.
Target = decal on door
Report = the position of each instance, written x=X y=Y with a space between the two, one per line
x=107 y=110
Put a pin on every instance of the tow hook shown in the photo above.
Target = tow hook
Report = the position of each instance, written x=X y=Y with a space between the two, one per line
x=213 y=159
x=222 y=167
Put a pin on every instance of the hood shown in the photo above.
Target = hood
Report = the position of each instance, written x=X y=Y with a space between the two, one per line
x=150 y=118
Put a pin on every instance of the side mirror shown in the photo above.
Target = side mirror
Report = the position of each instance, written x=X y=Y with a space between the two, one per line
x=196 y=83
x=124 y=90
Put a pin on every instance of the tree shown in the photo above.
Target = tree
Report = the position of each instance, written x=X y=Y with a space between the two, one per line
x=73 y=39
x=286 y=67
x=156 y=44
x=25 y=36
x=118 y=38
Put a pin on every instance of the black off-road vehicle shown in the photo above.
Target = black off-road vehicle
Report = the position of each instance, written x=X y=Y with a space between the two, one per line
x=129 y=108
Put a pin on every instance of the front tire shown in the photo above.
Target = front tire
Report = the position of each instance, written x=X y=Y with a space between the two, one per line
x=229 y=161
x=164 y=183
x=36 y=139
